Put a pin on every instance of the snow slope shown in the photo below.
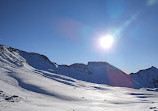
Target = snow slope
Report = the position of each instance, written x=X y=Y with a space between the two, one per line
x=147 y=78
x=38 y=90
x=25 y=86
x=95 y=72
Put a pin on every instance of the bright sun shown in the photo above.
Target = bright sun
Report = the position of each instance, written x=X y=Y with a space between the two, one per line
x=106 y=41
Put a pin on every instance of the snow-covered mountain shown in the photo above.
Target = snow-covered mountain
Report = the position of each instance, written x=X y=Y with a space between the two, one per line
x=97 y=72
x=94 y=72
x=31 y=82
x=16 y=57
x=147 y=78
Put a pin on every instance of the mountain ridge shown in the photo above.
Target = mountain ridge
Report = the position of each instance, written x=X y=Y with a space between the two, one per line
x=95 y=72
x=15 y=49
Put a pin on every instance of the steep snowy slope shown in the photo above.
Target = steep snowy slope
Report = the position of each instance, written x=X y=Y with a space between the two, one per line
x=96 y=72
x=147 y=78
x=10 y=56
x=16 y=57
x=24 y=86
x=38 y=61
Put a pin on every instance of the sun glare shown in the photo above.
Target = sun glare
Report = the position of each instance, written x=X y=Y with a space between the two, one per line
x=106 y=41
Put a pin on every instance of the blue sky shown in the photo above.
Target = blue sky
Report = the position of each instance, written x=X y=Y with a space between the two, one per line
x=66 y=31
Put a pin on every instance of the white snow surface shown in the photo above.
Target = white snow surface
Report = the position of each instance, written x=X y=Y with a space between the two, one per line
x=24 y=87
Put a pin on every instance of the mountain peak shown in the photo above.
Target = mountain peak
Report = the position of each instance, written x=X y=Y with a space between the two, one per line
x=153 y=67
